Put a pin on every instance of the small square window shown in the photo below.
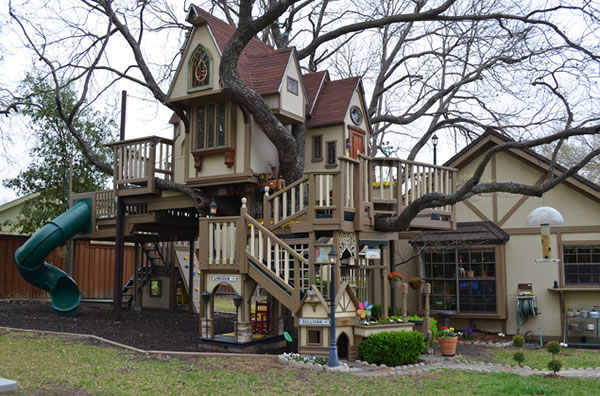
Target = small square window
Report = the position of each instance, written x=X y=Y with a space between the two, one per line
x=292 y=85
x=155 y=288
x=314 y=337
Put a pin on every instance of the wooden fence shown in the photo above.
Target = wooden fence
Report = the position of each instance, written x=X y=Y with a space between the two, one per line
x=93 y=269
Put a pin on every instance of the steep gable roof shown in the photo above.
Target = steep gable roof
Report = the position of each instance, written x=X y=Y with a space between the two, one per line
x=492 y=138
x=333 y=102
x=313 y=83
x=260 y=66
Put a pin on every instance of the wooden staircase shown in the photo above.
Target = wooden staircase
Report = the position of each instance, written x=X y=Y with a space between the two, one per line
x=154 y=259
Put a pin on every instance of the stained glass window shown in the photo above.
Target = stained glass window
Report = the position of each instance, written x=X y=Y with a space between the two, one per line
x=200 y=68
x=211 y=126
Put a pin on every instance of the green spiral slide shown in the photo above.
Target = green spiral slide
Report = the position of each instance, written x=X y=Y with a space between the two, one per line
x=29 y=258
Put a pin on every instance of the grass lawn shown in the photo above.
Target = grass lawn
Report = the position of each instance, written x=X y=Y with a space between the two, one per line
x=50 y=365
x=539 y=358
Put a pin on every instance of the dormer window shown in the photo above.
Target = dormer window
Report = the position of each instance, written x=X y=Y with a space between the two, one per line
x=199 y=69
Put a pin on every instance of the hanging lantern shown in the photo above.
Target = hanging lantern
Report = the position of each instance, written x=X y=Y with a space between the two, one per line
x=545 y=216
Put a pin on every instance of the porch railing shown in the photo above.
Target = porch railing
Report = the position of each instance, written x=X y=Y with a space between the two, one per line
x=137 y=162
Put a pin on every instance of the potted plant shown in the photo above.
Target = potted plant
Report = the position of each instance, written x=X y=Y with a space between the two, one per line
x=447 y=339
x=415 y=282
x=396 y=279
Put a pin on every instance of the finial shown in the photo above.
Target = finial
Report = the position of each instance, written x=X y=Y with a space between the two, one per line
x=267 y=191
x=244 y=200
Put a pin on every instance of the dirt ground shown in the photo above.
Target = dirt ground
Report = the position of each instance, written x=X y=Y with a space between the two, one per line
x=148 y=329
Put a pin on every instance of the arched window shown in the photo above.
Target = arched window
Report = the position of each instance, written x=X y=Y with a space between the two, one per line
x=200 y=68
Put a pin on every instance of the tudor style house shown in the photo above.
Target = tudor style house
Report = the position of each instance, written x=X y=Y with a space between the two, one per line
x=263 y=233
x=478 y=269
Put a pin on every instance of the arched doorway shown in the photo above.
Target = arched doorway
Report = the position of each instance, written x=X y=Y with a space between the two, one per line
x=343 y=346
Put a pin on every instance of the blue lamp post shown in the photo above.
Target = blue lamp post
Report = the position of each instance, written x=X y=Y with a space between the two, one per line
x=333 y=352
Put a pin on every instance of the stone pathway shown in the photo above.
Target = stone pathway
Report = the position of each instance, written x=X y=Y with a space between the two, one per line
x=436 y=362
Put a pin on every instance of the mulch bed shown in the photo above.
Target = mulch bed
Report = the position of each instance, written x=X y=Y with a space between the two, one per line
x=148 y=329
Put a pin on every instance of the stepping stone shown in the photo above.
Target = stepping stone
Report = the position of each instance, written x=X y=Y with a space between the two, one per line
x=7 y=385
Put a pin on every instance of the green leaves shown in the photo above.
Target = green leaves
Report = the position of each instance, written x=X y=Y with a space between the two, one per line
x=54 y=150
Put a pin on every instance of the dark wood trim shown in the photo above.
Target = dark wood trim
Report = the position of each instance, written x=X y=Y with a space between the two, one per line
x=520 y=202
x=475 y=210
x=561 y=269
x=494 y=194
x=553 y=229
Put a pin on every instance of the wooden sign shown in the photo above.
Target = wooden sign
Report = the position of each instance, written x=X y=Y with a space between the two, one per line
x=373 y=254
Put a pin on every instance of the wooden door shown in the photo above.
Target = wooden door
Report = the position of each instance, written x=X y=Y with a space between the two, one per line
x=358 y=143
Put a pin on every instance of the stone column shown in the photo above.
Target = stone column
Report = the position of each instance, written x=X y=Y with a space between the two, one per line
x=244 y=330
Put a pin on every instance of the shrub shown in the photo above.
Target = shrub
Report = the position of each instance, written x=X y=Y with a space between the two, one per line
x=553 y=347
x=519 y=357
x=432 y=326
x=554 y=365
x=393 y=348
x=518 y=341
x=376 y=311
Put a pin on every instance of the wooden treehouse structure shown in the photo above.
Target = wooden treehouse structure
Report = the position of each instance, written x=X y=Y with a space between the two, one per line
x=265 y=234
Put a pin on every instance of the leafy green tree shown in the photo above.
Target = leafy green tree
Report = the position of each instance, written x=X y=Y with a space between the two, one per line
x=53 y=151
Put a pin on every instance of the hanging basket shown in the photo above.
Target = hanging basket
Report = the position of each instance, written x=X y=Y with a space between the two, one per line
x=395 y=284
x=415 y=284
x=448 y=345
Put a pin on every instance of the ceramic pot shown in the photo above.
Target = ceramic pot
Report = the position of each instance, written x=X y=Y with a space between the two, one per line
x=395 y=283
x=448 y=345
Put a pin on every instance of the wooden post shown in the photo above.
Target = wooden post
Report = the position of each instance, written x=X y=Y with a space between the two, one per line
x=136 y=274
x=426 y=320
x=191 y=261
x=267 y=209
x=404 y=291
x=119 y=237
x=385 y=284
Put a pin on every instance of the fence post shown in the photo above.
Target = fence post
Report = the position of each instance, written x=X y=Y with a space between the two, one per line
x=242 y=239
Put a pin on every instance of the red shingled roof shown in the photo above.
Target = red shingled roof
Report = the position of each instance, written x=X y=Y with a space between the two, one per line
x=260 y=66
x=312 y=82
x=333 y=101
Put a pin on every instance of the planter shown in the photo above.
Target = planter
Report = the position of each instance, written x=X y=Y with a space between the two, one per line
x=448 y=345
x=395 y=283
x=415 y=284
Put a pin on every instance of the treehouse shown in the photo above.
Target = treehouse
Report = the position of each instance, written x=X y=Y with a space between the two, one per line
x=265 y=234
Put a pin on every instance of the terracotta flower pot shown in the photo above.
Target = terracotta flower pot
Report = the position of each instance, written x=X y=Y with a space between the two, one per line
x=448 y=345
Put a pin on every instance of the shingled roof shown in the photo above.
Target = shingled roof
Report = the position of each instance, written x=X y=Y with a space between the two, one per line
x=333 y=102
x=313 y=83
x=476 y=232
x=260 y=66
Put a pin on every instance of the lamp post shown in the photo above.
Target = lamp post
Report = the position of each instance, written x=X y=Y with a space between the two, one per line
x=237 y=300
x=206 y=298
x=434 y=141
x=333 y=352
x=213 y=208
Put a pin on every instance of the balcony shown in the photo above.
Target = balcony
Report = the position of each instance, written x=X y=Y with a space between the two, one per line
x=138 y=162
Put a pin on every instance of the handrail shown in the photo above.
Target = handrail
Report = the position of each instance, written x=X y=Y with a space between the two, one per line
x=157 y=139
x=287 y=188
x=274 y=238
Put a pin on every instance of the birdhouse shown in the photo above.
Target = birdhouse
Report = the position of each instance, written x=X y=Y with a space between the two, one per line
x=545 y=216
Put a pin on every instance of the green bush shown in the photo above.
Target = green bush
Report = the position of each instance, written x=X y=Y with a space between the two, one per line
x=393 y=348
x=554 y=365
x=518 y=341
x=376 y=311
x=519 y=357
x=553 y=347
x=432 y=325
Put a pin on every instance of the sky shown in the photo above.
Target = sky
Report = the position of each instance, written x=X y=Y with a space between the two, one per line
x=145 y=116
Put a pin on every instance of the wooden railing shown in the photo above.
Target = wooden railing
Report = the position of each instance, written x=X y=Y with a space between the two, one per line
x=218 y=240
x=138 y=162
x=276 y=261
x=106 y=207
x=402 y=182
x=287 y=204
